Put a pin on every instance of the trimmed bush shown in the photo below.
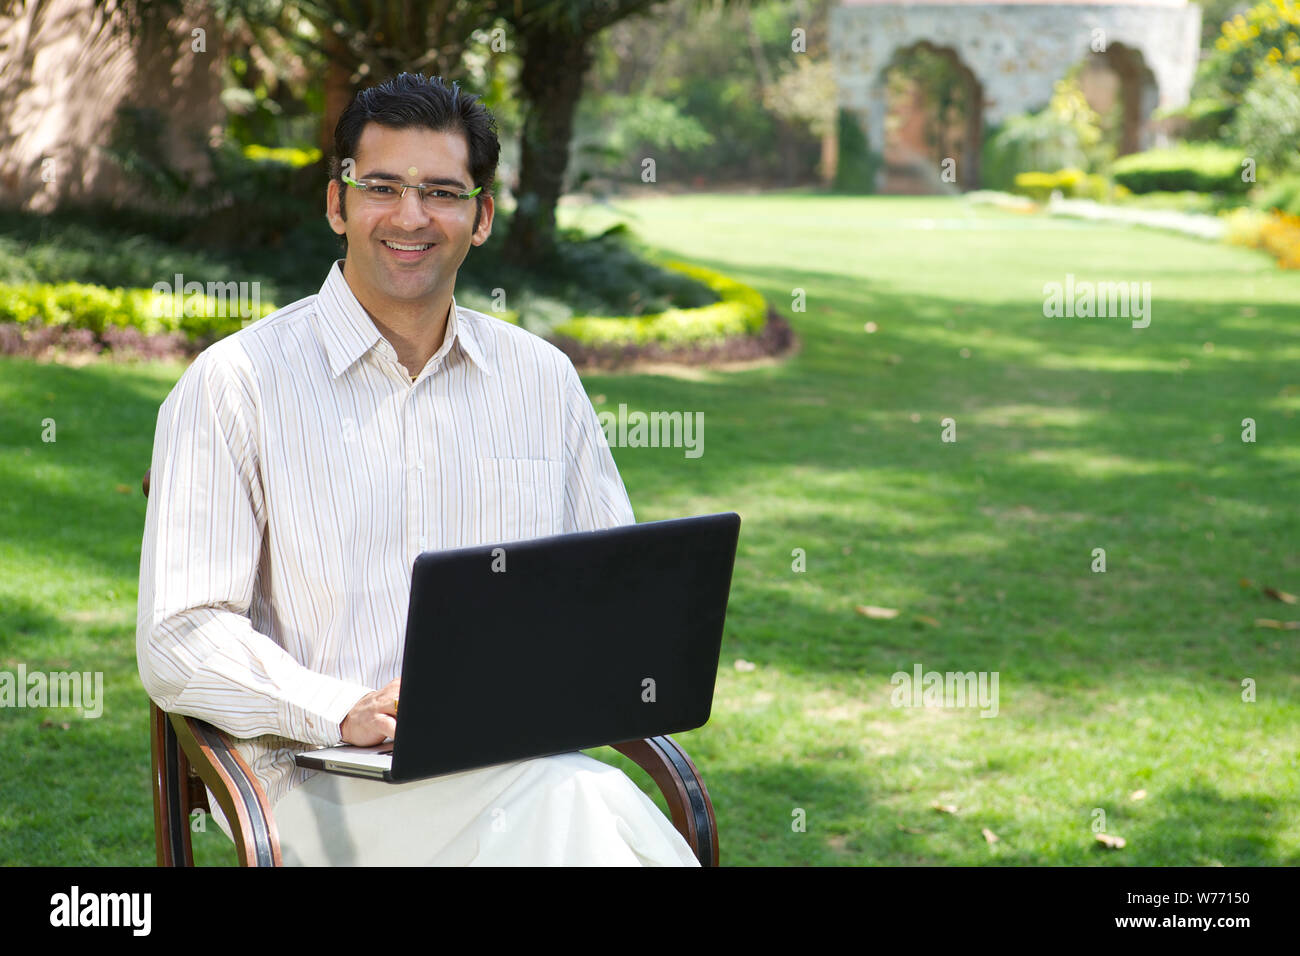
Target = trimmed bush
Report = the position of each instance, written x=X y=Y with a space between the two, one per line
x=98 y=309
x=1071 y=183
x=740 y=311
x=1199 y=167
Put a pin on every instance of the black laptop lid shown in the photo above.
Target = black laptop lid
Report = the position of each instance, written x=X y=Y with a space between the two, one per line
x=562 y=643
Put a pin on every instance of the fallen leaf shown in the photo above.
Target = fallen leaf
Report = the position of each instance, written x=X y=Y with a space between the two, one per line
x=870 y=328
x=1246 y=582
x=1277 y=625
x=989 y=835
x=877 y=613
x=123 y=489
x=944 y=807
x=924 y=619
x=1282 y=596
x=744 y=665
x=1138 y=795
x=1111 y=842
x=909 y=829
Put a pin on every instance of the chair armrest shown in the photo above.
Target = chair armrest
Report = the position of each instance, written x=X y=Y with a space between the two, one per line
x=688 y=799
x=240 y=796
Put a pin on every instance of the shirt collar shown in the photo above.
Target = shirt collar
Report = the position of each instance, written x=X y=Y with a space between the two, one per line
x=349 y=332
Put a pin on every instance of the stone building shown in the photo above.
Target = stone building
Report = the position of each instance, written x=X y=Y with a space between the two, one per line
x=1012 y=54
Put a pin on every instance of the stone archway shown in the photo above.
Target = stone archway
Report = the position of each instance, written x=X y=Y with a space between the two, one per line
x=913 y=161
x=1119 y=73
x=1016 y=50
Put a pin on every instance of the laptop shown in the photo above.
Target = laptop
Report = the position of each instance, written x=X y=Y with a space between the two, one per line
x=539 y=647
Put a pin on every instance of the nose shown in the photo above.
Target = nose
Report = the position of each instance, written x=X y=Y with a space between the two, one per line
x=410 y=213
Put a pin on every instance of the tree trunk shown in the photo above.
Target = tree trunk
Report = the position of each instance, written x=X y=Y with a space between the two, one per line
x=554 y=64
x=338 y=92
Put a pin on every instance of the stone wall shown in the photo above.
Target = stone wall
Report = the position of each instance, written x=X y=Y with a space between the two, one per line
x=1017 y=51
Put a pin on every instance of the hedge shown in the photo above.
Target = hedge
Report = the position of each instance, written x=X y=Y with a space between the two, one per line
x=95 y=307
x=1199 y=167
x=741 y=311
x=1071 y=183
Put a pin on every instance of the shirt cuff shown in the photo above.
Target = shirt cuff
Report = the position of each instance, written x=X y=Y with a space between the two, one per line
x=314 y=716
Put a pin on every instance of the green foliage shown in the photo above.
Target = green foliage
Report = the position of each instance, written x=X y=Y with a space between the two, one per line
x=94 y=307
x=1282 y=195
x=1266 y=35
x=1201 y=167
x=741 y=311
x=1063 y=135
x=287 y=155
x=1071 y=183
x=856 y=171
x=1203 y=118
x=1267 y=123
x=614 y=132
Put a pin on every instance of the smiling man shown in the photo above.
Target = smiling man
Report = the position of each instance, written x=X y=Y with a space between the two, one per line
x=300 y=466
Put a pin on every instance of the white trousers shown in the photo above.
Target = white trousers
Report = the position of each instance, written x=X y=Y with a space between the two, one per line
x=566 y=810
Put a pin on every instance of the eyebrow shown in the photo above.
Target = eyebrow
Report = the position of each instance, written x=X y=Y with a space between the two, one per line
x=437 y=181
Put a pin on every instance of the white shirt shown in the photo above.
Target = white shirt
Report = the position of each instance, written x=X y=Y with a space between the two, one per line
x=297 y=474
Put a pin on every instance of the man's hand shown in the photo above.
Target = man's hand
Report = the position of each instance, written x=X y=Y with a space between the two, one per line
x=372 y=719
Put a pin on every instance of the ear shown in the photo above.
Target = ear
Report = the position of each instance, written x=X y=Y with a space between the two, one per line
x=333 y=209
x=485 y=223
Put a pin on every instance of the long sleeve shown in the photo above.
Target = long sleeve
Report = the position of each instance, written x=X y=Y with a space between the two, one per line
x=594 y=495
x=197 y=650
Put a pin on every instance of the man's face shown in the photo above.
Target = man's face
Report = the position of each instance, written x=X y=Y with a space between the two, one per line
x=378 y=272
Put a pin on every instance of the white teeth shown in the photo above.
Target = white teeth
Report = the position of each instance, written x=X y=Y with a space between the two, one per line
x=405 y=248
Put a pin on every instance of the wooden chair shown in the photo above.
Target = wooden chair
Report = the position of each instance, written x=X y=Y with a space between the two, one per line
x=189 y=754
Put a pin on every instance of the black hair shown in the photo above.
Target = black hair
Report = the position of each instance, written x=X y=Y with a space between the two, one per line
x=411 y=100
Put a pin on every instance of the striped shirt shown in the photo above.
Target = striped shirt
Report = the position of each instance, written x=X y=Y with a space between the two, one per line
x=297 y=473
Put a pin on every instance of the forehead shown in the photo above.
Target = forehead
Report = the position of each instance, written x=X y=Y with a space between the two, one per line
x=432 y=154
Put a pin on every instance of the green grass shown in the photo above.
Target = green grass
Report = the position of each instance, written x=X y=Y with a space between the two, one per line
x=1072 y=434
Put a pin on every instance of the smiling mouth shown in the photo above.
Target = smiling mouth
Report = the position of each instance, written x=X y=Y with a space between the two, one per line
x=407 y=246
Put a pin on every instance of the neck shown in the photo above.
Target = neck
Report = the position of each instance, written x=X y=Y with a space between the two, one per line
x=414 y=329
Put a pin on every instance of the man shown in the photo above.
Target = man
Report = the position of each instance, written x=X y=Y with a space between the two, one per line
x=300 y=466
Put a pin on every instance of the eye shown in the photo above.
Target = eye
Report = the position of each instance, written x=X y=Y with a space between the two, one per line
x=443 y=194
x=380 y=189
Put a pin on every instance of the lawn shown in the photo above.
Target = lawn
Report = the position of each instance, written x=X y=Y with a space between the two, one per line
x=1120 y=692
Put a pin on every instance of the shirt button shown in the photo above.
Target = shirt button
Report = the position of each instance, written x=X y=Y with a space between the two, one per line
x=422 y=543
x=419 y=465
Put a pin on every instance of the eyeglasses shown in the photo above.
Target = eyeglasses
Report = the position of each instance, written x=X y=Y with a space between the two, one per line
x=389 y=192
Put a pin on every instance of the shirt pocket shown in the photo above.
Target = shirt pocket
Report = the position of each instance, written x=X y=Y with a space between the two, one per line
x=519 y=498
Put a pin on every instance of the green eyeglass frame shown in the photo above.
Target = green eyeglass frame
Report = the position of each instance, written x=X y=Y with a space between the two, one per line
x=369 y=187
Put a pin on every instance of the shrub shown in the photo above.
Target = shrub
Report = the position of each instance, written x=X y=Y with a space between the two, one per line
x=1071 y=183
x=1060 y=136
x=1282 y=195
x=99 y=309
x=1268 y=119
x=740 y=311
x=1200 y=119
x=856 y=170
x=1199 y=167
x=1275 y=232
